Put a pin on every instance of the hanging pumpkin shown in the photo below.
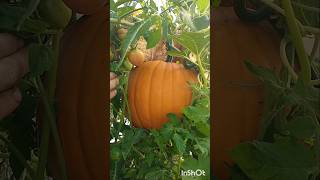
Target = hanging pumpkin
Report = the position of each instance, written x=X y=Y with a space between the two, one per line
x=82 y=96
x=157 y=88
x=237 y=94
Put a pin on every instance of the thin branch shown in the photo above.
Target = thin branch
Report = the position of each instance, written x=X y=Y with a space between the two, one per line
x=124 y=22
x=284 y=59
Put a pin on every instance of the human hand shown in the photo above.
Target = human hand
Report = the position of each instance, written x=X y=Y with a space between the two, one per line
x=114 y=81
x=13 y=66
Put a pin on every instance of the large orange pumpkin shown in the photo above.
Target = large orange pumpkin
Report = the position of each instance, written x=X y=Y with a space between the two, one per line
x=237 y=94
x=82 y=96
x=157 y=88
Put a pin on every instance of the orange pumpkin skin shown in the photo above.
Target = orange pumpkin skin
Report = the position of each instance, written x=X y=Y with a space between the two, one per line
x=237 y=102
x=85 y=6
x=157 y=88
x=82 y=97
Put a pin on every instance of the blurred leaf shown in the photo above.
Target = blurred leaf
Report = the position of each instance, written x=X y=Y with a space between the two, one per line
x=124 y=10
x=112 y=6
x=153 y=38
x=237 y=174
x=303 y=127
x=160 y=141
x=196 y=113
x=165 y=27
x=216 y=3
x=204 y=128
x=187 y=19
x=264 y=74
x=31 y=7
x=40 y=59
x=34 y=26
x=306 y=95
x=203 y=5
x=203 y=145
x=202 y=164
x=130 y=139
x=196 y=42
x=177 y=54
x=156 y=174
x=283 y=159
x=10 y=16
x=120 y=2
x=201 y=22
x=180 y=144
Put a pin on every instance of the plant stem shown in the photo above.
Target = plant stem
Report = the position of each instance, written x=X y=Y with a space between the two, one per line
x=115 y=171
x=54 y=131
x=202 y=71
x=52 y=73
x=114 y=20
x=284 y=59
x=125 y=98
x=44 y=146
x=277 y=8
x=137 y=151
x=297 y=41
x=31 y=7
x=15 y=152
x=315 y=47
x=45 y=135
x=130 y=12
x=52 y=77
x=47 y=97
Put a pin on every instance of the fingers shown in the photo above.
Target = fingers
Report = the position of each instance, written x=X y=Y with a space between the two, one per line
x=9 y=101
x=9 y=44
x=13 y=68
x=114 y=81
x=113 y=93
x=112 y=75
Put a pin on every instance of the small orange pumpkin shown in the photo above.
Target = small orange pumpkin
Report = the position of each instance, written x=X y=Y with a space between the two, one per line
x=136 y=57
x=157 y=88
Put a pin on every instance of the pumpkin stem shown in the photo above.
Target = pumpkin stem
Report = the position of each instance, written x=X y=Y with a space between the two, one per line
x=169 y=48
x=296 y=37
x=49 y=123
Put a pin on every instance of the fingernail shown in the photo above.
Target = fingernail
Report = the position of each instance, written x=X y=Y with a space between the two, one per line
x=112 y=75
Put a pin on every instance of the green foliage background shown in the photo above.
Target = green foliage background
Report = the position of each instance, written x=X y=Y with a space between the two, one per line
x=182 y=143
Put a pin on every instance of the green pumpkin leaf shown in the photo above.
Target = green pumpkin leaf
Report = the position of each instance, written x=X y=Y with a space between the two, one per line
x=153 y=38
x=200 y=165
x=303 y=127
x=203 y=5
x=179 y=143
x=196 y=113
x=201 y=22
x=264 y=74
x=283 y=159
x=196 y=42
